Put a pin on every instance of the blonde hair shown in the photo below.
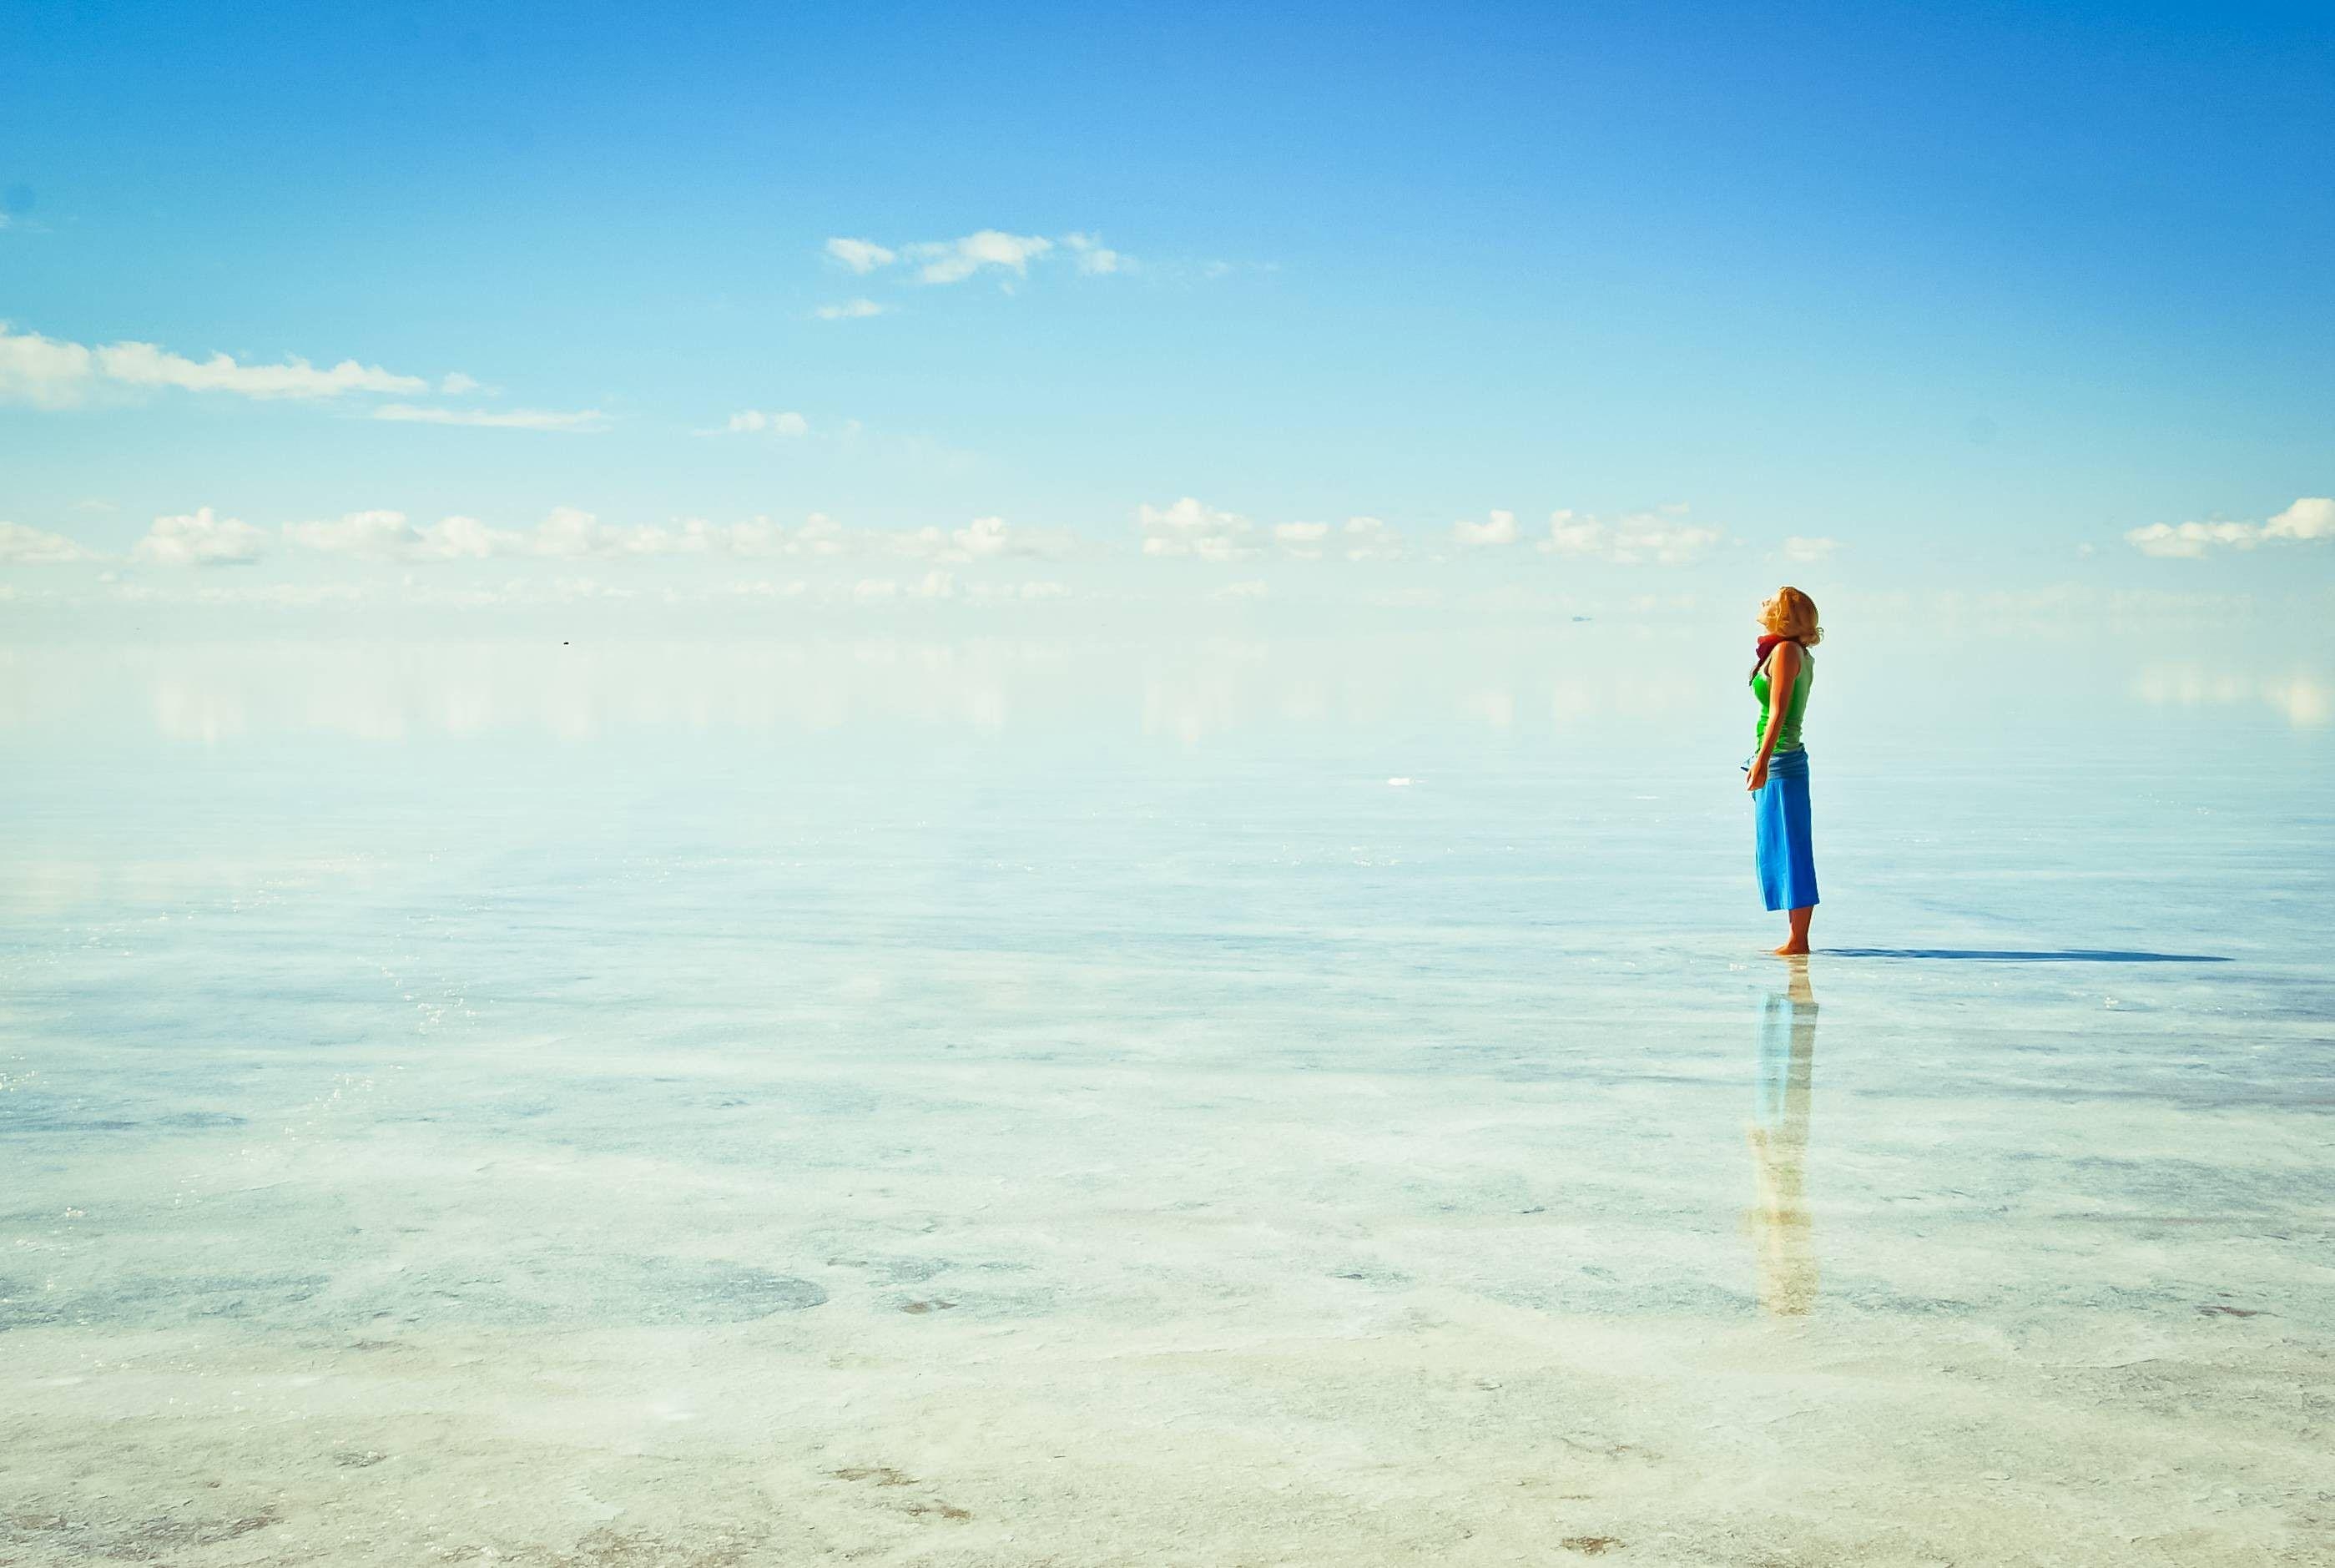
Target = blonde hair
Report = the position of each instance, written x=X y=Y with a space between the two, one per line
x=1792 y=614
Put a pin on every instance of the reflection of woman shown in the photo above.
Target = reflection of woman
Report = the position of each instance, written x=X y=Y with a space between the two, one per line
x=1781 y=673
x=1778 y=1136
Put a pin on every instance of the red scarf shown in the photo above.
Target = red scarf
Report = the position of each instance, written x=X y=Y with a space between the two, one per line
x=1767 y=646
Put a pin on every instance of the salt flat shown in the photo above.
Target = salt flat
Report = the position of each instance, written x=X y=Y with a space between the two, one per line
x=1145 y=1133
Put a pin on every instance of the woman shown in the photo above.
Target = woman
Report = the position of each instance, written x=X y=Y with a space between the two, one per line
x=1781 y=672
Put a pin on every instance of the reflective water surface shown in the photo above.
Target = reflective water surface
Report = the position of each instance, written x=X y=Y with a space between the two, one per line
x=996 y=1106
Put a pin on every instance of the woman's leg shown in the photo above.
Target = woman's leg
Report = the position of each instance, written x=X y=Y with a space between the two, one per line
x=1800 y=940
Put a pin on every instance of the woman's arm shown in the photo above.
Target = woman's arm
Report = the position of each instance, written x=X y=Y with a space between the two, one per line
x=1783 y=674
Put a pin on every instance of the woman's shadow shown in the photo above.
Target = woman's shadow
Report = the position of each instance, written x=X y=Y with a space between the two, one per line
x=2020 y=956
x=1779 y=1222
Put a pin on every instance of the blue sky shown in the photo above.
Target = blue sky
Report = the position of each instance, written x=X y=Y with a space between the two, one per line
x=1961 y=290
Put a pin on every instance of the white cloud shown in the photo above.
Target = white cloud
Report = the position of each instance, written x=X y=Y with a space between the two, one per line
x=24 y=547
x=955 y=260
x=50 y=372
x=1663 y=538
x=820 y=534
x=1805 y=550
x=849 y=310
x=2192 y=540
x=458 y=539
x=486 y=419
x=42 y=371
x=1371 y=539
x=1189 y=528
x=1302 y=540
x=1247 y=588
x=696 y=537
x=2310 y=518
x=861 y=256
x=1499 y=529
x=1026 y=592
x=765 y=588
x=568 y=534
x=1093 y=257
x=751 y=421
x=387 y=535
x=982 y=539
x=946 y=261
x=142 y=365
x=199 y=539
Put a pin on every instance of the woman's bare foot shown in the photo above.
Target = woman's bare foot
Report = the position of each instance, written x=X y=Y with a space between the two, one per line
x=1797 y=946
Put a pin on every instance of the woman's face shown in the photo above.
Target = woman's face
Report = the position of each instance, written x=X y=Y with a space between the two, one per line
x=1770 y=609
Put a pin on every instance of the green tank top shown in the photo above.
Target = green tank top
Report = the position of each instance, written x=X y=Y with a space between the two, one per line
x=1794 y=706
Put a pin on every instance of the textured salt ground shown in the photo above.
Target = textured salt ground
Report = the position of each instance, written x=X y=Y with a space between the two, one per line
x=1199 y=1309
x=1445 y=1430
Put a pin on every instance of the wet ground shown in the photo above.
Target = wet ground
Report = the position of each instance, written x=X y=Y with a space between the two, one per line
x=971 y=1146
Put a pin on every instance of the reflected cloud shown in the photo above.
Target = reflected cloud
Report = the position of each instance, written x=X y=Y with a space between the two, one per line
x=1190 y=690
x=1782 y=1229
x=1191 y=687
x=2304 y=701
x=1495 y=706
x=215 y=695
x=192 y=712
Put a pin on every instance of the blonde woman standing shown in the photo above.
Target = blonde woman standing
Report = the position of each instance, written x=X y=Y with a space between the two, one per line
x=1781 y=671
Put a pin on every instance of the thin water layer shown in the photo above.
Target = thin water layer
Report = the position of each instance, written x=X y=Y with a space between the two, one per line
x=1384 y=1144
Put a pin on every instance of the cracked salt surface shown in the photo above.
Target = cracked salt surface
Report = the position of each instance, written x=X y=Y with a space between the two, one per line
x=780 y=1146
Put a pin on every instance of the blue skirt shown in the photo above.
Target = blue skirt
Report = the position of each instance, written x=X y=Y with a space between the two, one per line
x=1785 y=859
